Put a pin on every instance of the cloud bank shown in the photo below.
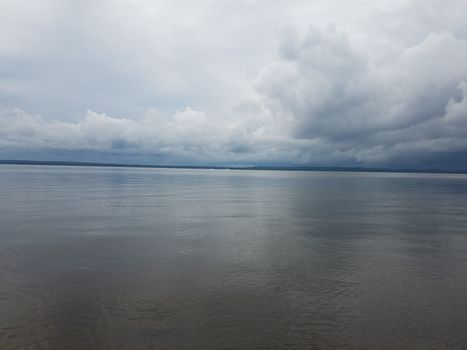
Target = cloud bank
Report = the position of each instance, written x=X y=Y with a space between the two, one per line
x=384 y=84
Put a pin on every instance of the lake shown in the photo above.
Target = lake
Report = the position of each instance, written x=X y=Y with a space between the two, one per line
x=134 y=258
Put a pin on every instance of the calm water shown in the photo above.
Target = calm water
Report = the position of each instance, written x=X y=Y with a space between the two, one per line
x=114 y=258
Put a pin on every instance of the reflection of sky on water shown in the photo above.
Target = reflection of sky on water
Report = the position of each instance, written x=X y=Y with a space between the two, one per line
x=210 y=259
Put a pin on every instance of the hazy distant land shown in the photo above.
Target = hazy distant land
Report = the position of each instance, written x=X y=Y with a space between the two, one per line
x=284 y=168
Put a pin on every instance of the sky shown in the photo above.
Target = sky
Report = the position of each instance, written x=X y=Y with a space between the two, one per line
x=235 y=82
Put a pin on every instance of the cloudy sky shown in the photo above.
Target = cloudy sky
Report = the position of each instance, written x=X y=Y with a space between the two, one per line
x=237 y=82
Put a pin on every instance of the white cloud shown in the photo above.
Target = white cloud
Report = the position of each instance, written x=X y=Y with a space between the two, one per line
x=186 y=134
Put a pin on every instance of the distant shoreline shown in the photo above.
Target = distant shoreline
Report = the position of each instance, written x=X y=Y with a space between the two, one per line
x=284 y=168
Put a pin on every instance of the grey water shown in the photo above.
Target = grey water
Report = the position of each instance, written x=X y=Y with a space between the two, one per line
x=129 y=258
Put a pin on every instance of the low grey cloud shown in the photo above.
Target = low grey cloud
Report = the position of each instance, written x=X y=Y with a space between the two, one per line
x=380 y=83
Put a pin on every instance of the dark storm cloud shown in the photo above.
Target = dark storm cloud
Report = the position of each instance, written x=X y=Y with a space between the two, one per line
x=411 y=102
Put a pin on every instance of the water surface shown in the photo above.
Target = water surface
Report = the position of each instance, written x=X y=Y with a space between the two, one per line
x=128 y=258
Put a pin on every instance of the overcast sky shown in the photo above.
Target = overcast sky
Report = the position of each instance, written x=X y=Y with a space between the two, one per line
x=238 y=82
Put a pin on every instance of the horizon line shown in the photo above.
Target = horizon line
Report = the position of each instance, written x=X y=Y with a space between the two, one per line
x=221 y=167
